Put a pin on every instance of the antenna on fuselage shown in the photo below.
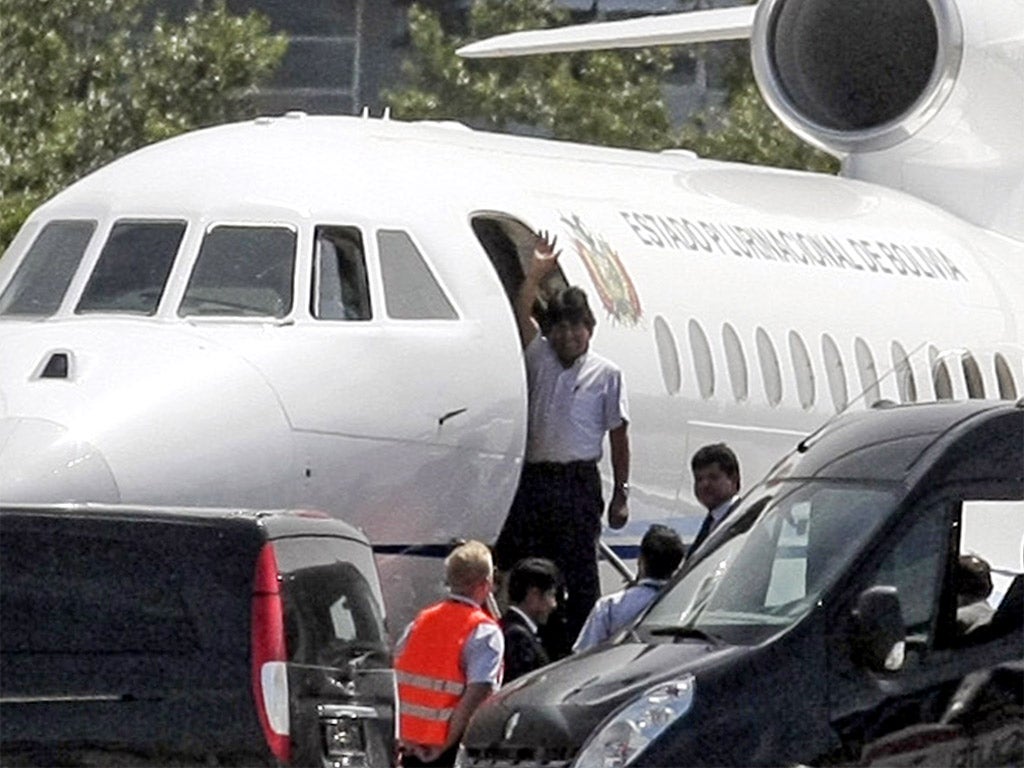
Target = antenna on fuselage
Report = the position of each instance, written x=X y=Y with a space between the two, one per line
x=883 y=403
x=365 y=114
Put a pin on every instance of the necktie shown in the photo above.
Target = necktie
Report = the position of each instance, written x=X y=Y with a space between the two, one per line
x=702 y=534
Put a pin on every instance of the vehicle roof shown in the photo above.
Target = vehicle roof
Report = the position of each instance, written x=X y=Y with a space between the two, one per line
x=277 y=523
x=903 y=443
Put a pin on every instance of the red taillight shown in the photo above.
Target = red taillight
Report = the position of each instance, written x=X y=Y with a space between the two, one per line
x=269 y=656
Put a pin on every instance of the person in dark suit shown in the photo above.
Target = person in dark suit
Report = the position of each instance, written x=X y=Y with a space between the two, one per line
x=716 y=484
x=532 y=592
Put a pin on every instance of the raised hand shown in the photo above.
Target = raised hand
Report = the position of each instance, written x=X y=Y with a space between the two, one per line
x=545 y=257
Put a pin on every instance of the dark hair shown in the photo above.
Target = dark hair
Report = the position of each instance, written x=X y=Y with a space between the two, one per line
x=536 y=572
x=717 y=453
x=974 y=578
x=570 y=304
x=662 y=550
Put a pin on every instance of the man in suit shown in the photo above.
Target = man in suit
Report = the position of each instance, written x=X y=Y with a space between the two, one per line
x=532 y=592
x=716 y=484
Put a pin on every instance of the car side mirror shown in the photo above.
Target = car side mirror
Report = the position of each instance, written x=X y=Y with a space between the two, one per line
x=879 y=638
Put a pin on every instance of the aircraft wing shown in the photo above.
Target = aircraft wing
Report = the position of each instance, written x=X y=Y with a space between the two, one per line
x=672 y=29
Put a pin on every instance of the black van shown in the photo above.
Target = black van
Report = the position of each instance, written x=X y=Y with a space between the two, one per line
x=158 y=636
x=819 y=625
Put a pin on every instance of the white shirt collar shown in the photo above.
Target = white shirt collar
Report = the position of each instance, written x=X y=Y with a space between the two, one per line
x=463 y=599
x=719 y=512
x=529 y=622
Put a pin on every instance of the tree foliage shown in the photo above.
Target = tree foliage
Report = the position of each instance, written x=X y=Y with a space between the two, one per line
x=611 y=98
x=746 y=130
x=85 y=81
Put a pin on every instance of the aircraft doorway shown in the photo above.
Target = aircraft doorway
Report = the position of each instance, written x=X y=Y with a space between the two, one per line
x=509 y=245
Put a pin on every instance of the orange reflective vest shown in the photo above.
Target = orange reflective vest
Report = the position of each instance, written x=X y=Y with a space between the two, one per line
x=429 y=670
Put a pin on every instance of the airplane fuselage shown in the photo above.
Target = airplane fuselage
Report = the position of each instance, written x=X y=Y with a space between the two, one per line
x=744 y=305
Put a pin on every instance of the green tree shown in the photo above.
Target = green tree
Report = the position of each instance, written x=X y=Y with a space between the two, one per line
x=747 y=131
x=85 y=81
x=610 y=98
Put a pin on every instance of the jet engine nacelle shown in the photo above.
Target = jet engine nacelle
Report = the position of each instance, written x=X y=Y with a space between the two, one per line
x=922 y=95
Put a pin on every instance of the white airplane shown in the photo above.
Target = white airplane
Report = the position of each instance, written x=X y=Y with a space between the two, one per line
x=313 y=311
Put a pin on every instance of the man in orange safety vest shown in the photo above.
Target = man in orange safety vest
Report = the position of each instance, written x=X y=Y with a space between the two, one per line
x=449 y=660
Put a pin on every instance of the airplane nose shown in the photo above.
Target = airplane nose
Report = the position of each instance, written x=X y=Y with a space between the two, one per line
x=40 y=461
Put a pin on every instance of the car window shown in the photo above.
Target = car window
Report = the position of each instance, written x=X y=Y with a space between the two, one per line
x=332 y=603
x=914 y=567
x=989 y=570
x=773 y=560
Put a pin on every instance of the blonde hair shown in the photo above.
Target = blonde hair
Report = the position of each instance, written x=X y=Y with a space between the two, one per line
x=468 y=565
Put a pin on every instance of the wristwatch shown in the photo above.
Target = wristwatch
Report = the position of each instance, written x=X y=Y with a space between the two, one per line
x=622 y=488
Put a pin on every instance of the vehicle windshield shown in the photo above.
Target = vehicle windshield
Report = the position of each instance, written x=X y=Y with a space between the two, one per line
x=782 y=548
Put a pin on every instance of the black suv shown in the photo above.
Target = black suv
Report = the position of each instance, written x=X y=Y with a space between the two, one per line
x=157 y=636
x=822 y=623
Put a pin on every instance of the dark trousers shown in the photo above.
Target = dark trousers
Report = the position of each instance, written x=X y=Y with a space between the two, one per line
x=557 y=514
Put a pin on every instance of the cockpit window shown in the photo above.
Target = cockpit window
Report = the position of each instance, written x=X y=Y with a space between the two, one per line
x=133 y=267
x=780 y=552
x=42 y=278
x=340 y=287
x=246 y=271
x=410 y=290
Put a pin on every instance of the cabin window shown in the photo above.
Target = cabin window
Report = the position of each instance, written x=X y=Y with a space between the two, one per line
x=43 y=277
x=341 y=290
x=133 y=267
x=972 y=376
x=904 y=374
x=771 y=374
x=1004 y=377
x=803 y=370
x=242 y=271
x=702 y=363
x=737 y=362
x=410 y=290
x=668 y=355
x=835 y=372
x=868 y=373
x=942 y=380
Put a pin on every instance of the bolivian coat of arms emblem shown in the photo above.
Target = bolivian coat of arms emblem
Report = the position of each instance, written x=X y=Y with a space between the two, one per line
x=614 y=287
